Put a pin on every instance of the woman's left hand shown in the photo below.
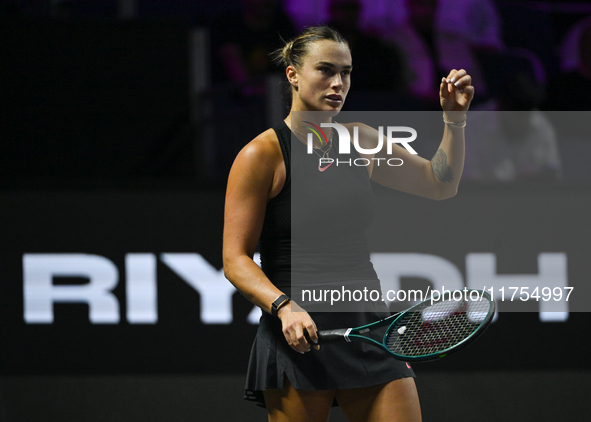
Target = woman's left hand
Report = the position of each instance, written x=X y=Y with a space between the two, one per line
x=456 y=93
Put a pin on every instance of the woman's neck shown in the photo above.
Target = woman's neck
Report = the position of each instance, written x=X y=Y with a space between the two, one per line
x=301 y=123
x=298 y=119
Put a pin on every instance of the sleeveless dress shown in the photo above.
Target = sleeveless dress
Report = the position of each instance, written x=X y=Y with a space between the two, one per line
x=313 y=233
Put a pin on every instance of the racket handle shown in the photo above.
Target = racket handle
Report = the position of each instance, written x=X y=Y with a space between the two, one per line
x=329 y=336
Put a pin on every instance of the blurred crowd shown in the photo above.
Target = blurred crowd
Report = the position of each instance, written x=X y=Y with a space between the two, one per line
x=521 y=64
x=526 y=59
x=405 y=46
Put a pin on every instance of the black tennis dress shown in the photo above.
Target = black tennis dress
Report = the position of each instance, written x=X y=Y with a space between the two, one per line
x=313 y=234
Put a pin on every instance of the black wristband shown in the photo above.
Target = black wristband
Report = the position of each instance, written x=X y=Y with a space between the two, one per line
x=278 y=303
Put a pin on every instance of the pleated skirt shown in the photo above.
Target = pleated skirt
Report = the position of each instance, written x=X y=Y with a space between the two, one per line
x=334 y=366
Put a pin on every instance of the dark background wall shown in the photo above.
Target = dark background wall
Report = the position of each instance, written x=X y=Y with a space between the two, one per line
x=458 y=396
x=88 y=100
x=185 y=365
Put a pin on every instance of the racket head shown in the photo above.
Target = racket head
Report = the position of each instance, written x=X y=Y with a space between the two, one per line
x=434 y=328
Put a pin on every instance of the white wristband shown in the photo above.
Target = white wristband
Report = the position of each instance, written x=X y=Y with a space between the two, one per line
x=460 y=125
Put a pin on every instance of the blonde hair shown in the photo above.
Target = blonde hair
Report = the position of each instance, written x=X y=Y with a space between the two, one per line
x=292 y=54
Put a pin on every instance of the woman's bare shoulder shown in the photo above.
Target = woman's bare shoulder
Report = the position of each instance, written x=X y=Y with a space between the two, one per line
x=264 y=149
x=260 y=164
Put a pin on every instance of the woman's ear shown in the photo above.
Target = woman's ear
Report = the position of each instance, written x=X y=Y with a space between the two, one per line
x=292 y=76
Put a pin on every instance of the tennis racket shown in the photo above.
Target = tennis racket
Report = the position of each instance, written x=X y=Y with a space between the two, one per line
x=429 y=330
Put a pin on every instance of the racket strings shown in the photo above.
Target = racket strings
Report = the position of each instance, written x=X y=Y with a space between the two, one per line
x=436 y=328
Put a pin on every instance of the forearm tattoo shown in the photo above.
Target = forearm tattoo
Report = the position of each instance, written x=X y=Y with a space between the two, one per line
x=440 y=168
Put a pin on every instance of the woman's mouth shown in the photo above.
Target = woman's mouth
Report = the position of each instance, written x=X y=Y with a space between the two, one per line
x=335 y=98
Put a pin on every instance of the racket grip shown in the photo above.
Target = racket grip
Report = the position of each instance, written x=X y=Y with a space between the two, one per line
x=332 y=336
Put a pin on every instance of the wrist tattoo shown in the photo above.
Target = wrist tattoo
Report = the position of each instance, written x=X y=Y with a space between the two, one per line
x=440 y=168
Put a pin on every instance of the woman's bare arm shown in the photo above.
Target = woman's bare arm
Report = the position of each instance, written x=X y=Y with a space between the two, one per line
x=258 y=174
x=439 y=177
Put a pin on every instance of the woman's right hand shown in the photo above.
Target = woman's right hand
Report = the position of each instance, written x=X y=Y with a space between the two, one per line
x=294 y=320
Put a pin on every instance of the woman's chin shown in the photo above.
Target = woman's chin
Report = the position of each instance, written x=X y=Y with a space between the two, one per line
x=331 y=110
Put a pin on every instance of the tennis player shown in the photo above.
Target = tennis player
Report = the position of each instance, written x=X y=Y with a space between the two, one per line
x=293 y=378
